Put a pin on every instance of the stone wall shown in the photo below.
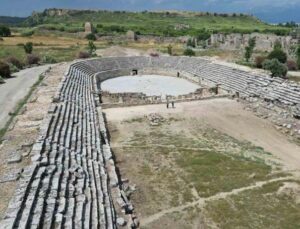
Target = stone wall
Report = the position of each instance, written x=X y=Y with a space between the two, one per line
x=264 y=42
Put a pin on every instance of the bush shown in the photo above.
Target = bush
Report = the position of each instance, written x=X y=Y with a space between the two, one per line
x=4 y=70
x=28 y=47
x=292 y=65
x=189 y=52
x=13 y=68
x=15 y=62
x=83 y=55
x=4 y=31
x=298 y=57
x=279 y=55
x=90 y=37
x=91 y=48
x=2 y=80
x=27 y=33
x=32 y=59
x=49 y=60
x=277 y=69
x=259 y=61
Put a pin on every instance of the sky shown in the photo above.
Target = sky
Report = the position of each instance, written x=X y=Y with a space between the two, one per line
x=272 y=11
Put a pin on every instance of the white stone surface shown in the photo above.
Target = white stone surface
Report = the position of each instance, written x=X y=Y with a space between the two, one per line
x=150 y=85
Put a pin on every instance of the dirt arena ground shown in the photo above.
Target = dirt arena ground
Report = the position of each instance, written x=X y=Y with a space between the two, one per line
x=206 y=164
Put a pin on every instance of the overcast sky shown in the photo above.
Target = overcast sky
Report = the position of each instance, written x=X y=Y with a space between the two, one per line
x=268 y=10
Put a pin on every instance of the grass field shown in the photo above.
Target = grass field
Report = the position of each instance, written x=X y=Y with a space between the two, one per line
x=177 y=164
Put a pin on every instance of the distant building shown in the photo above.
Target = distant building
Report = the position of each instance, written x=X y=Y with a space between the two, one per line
x=88 y=28
x=131 y=35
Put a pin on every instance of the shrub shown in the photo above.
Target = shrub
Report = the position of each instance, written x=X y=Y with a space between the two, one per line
x=189 y=52
x=91 y=48
x=90 y=37
x=154 y=54
x=4 y=70
x=83 y=55
x=2 y=80
x=32 y=59
x=4 y=31
x=13 y=68
x=27 y=33
x=249 y=49
x=15 y=62
x=298 y=56
x=28 y=47
x=49 y=60
x=292 y=65
x=277 y=69
x=278 y=54
x=170 y=50
x=259 y=61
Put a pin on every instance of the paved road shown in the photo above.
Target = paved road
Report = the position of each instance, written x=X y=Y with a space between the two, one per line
x=16 y=89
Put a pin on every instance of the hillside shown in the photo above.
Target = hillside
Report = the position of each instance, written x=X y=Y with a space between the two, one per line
x=11 y=20
x=167 y=23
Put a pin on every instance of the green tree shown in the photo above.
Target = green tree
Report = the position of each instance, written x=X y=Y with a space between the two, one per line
x=4 y=70
x=249 y=49
x=278 y=54
x=190 y=43
x=91 y=37
x=277 y=45
x=28 y=47
x=170 y=50
x=189 y=52
x=91 y=48
x=277 y=69
x=4 y=31
x=298 y=56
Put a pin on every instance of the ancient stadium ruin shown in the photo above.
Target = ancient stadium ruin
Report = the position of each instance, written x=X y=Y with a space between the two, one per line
x=73 y=181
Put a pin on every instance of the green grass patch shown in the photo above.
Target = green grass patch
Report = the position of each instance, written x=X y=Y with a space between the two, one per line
x=211 y=172
x=258 y=208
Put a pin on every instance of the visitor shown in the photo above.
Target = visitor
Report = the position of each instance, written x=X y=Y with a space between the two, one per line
x=173 y=104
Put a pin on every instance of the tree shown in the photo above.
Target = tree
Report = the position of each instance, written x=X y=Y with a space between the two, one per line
x=249 y=49
x=32 y=59
x=277 y=45
x=189 y=52
x=4 y=70
x=4 y=31
x=278 y=54
x=277 y=69
x=90 y=37
x=190 y=43
x=28 y=47
x=170 y=50
x=259 y=61
x=298 y=56
x=91 y=48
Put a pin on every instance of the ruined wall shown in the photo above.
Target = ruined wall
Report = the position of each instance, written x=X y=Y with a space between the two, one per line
x=264 y=42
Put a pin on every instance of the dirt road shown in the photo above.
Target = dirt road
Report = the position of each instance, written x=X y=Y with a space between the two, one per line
x=16 y=88
x=229 y=117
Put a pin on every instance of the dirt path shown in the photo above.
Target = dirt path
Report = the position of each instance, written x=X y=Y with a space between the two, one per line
x=229 y=117
x=16 y=88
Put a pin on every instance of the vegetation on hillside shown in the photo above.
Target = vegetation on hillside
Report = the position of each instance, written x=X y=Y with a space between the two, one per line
x=151 y=23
